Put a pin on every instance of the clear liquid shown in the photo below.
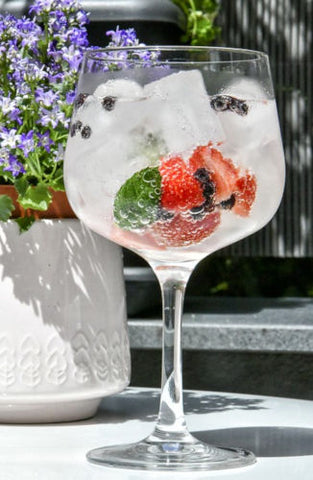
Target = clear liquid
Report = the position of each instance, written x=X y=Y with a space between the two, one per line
x=136 y=134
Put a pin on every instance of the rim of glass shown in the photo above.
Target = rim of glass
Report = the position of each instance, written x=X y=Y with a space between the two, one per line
x=252 y=55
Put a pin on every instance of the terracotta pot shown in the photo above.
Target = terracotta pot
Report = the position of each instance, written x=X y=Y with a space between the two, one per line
x=59 y=208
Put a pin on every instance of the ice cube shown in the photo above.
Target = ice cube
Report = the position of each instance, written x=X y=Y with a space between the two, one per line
x=183 y=113
x=245 y=89
x=169 y=116
x=119 y=88
x=255 y=126
x=109 y=124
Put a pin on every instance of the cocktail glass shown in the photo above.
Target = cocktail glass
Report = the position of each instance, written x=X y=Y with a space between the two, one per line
x=174 y=153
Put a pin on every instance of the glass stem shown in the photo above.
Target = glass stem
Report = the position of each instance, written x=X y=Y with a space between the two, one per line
x=171 y=425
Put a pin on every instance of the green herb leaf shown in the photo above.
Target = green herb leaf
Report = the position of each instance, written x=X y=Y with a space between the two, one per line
x=6 y=207
x=24 y=223
x=137 y=201
x=36 y=198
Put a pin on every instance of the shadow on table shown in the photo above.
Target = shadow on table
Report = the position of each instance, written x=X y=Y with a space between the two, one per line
x=144 y=405
x=263 y=441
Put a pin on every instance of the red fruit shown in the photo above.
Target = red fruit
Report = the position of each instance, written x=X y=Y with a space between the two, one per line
x=222 y=170
x=228 y=179
x=183 y=230
x=245 y=190
x=180 y=190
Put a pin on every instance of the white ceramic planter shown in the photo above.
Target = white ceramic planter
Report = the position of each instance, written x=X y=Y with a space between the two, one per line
x=63 y=330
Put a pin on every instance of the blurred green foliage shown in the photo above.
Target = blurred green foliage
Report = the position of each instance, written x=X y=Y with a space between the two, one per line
x=253 y=277
x=200 y=16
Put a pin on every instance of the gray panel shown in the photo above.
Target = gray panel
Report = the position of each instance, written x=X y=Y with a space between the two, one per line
x=114 y=10
x=282 y=28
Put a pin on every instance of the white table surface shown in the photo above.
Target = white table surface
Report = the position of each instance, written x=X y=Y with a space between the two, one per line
x=278 y=430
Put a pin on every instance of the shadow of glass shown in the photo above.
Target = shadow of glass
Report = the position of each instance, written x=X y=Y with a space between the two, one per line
x=263 y=441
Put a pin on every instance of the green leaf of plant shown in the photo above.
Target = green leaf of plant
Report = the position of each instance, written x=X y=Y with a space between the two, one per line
x=24 y=223
x=36 y=198
x=57 y=183
x=200 y=16
x=6 y=207
x=21 y=185
x=136 y=203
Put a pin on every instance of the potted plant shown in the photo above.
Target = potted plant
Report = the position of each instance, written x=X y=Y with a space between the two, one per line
x=63 y=334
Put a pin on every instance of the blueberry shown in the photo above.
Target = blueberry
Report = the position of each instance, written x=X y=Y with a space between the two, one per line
x=85 y=131
x=238 y=106
x=198 y=213
x=202 y=174
x=80 y=99
x=75 y=127
x=208 y=187
x=220 y=103
x=164 y=215
x=108 y=103
x=229 y=203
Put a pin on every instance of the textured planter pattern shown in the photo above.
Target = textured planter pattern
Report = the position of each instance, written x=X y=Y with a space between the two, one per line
x=63 y=334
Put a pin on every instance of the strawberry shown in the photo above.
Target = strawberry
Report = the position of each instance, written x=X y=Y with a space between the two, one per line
x=183 y=230
x=223 y=172
x=234 y=189
x=180 y=190
x=245 y=190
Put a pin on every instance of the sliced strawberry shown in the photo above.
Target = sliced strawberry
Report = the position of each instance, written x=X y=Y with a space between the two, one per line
x=182 y=230
x=180 y=190
x=245 y=191
x=223 y=172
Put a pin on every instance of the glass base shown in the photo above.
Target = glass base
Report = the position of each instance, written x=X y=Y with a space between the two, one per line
x=191 y=456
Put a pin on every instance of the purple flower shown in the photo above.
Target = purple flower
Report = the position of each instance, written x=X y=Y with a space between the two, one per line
x=40 y=6
x=14 y=166
x=51 y=118
x=122 y=38
x=46 y=97
x=78 y=37
x=45 y=141
x=73 y=56
x=9 y=138
x=8 y=106
x=82 y=18
x=59 y=154
x=57 y=21
x=70 y=97
x=27 y=143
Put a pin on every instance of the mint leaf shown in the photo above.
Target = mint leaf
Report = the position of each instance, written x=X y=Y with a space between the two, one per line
x=36 y=198
x=6 y=207
x=136 y=203
x=24 y=223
